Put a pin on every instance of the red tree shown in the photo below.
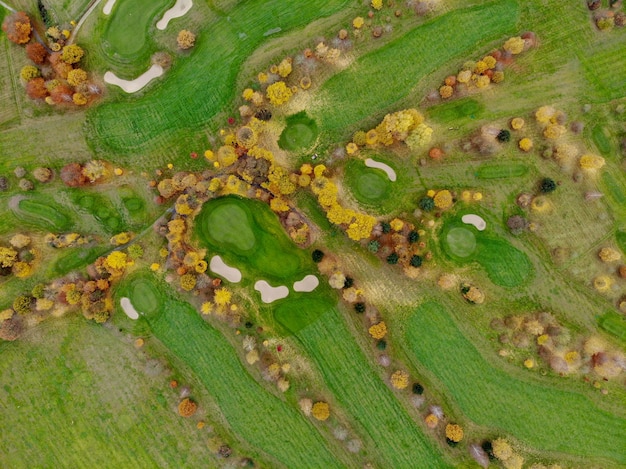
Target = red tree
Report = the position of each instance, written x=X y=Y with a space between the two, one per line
x=72 y=175
x=36 y=88
x=36 y=52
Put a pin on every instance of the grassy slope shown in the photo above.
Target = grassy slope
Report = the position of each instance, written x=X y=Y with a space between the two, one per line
x=259 y=417
x=190 y=97
x=363 y=396
x=546 y=418
x=379 y=79
x=74 y=396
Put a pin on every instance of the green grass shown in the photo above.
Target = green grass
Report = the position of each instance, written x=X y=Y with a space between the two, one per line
x=43 y=214
x=101 y=208
x=369 y=186
x=614 y=324
x=543 y=417
x=75 y=258
x=127 y=34
x=381 y=78
x=261 y=418
x=301 y=309
x=383 y=423
x=142 y=288
x=453 y=111
x=299 y=134
x=246 y=233
x=189 y=97
x=601 y=139
x=614 y=188
x=501 y=170
x=74 y=395
x=620 y=236
x=460 y=242
x=600 y=70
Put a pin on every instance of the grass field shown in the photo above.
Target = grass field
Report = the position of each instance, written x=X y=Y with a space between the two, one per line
x=545 y=418
x=9 y=111
x=370 y=186
x=501 y=170
x=263 y=419
x=614 y=324
x=368 y=401
x=43 y=214
x=299 y=134
x=189 y=97
x=83 y=398
x=380 y=79
x=247 y=233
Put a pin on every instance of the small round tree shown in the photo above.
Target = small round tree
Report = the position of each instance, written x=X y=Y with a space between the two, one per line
x=416 y=261
x=359 y=307
x=504 y=136
x=427 y=204
x=547 y=185
x=392 y=258
x=417 y=389
x=413 y=236
x=317 y=256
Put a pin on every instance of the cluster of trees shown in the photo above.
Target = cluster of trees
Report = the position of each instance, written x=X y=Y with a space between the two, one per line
x=19 y=258
x=91 y=172
x=606 y=19
x=54 y=74
x=489 y=69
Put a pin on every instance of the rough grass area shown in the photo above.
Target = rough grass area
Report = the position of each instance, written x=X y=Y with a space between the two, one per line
x=300 y=133
x=190 y=97
x=9 y=111
x=73 y=395
x=127 y=33
x=263 y=419
x=76 y=258
x=543 y=417
x=354 y=382
x=246 y=233
x=381 y=78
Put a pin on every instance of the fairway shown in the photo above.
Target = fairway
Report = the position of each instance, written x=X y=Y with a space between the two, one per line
x=246 y=233
x=506 y=265
x=357 y=93
x=544 y=417
x=300 y=133
x=296 y=313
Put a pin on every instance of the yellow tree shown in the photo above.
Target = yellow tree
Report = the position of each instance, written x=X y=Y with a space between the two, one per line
x=278 y=93
x=72 y=54
x=321 y=411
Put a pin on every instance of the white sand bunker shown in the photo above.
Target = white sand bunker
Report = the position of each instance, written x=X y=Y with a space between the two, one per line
x=180 y=8
x=475 y=220
x=108 y=7
x=218 y=266
x=128 y=308
x=132 y=86
x=270 y=293
x=391 y=174
x=307 y=284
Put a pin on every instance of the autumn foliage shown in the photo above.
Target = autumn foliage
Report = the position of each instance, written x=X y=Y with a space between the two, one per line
x=17 y=27
x=187 y=408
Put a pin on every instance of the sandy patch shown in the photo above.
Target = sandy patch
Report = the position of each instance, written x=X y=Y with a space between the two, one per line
x=132 y=86
x=180 y=8
x=475 y=220
x=391 y=174
x=270 y=293
x=307 y=284
x=108 y=7
x=218 y=266
x=128 y=308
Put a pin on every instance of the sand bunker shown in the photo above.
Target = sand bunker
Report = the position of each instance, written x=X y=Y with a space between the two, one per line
x=270 y=293
x=475 y=220
x=307 y=284
x=128 y=308
x=132 y=86
x=218 y=266
x=108 y=7
x=391 y=174
x=180 y=8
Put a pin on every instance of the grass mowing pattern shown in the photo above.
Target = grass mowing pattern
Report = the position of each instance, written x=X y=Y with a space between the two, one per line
x=501 y=170
x=262 y=419
x=43 y=214
x=398 y=440
x=300 y=133
x=190 y=97
x=614 y=324
x=453 y=111
x=128 y=28
x=380 y=79
x=543 y=417
x=86 y=402
x=247 y=233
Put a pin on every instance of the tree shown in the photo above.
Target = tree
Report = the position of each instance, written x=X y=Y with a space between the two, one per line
x=22 y=304
x=321 y=411
x=222 y=297
x=62 y=94
x=188 y=282
x=317 y=256
x=504 y=136
x=278 y=93
x=8 y=256
x=11 y=329
x=413 y=237
x=417 y=389
x=72 y=54
x=72 y=175
x=36 y=52
x=547 y=185
x=416 y=261
x=187 y=407
x=29 y=72
x=17 y=27
x=427 y=204
x=454 y=432
x=77 y=77
x=185 y=39
x=392 y=258
x=400 y=379
x=378 y=331
x=443 y=199
x=501 y=449
x=359 y=307
x=514 y=45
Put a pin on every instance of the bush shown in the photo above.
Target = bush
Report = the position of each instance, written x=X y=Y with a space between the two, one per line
x=547 y=185
x=359 y=307
x=317 y=256
x=381 y=345
x=386 y=227
x=413 y=236
x=373 y=246
x=417 y=389
x=504 y=136
x=427 y=204
x=416 y=261
x=392 y=258
x=348 y=282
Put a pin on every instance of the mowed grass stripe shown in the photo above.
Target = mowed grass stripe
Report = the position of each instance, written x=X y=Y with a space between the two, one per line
x=73 y=395
x=380 y=78
x=254 y=414
x=197 y=88
x=399 y=441
x=545 y=418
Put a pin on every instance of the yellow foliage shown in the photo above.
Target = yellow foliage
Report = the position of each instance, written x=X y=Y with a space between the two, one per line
x=514 y=45
x=480 y=67
x=431 y=421
x=187 y=282
x=306 y=169
x=514 y=462
x=278 y=93
x=517 y=123
x=378 y=331
x=454 y=432
x=120 y=238
x=464 y=76
x=400 y=379
x=371 y=137
x=43 y=304
x=420 y=136
x=201 y=266
x=226 y=155
x=206 y=308
x=482 y=81
x=352 y=148
x=358 y=22
x=117 y=260
x=318 y=171
x=502 y=449
x=321 y=411
x=443 y=199
x=525 y=144
x=72 y=54
x=278 y=204
x=362 y=227
x=262 y=77
x=76 y=77
x=304 y=180
x=284 y=68
x=498 y=76
x=377 y=4
x=8 y=256
x=489 y=61
x=79 y=99
x=247 y=94
x=544 y=114
x=176 y=226
x=446 y=91
x=590 y=161
x=22 y=269
x=222 y=297
x=609 y=255
x=554 y=131
x=396 y=224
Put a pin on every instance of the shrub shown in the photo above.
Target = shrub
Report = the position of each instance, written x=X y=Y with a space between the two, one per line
x=427 y=204
x=416 y=261
x=317 y=256
x=187 y=408
x=504 y=136
x=392 y=258
x=413 y=236
x=321 y=411
x=359 y=307
x=547 y=185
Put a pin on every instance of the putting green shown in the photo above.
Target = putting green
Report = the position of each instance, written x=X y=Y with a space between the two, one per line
x=230 y=224
x=246 y=233
x=300 y=133
x=144 y=293
x=461 y=242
